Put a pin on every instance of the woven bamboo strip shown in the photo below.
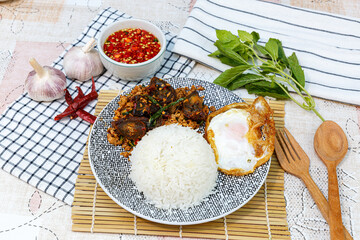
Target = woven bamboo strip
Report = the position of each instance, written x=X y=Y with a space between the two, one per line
x=129 y=220
x=213 y=230
x=257 y=229
x=233 y=235
x=249 y=208
x=199 y=235
x=249 y=222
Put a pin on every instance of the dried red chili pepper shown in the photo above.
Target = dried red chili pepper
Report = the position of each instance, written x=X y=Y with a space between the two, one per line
x=81 y=113
x=80 y=95
x=68 y=97
x=86 y=116
x=69 y=101
x=79 y=102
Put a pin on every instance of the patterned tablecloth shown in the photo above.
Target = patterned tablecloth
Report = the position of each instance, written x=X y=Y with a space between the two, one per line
x=43 y=29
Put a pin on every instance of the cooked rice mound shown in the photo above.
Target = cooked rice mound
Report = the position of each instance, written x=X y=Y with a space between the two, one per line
x=174 y=167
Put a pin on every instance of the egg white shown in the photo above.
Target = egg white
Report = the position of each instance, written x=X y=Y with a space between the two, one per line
x=234 y=150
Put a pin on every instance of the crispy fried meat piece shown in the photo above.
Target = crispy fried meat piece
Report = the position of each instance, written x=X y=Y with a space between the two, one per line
x=143 y=106
x=193 y=107
x=132 y=128
x=161 y=91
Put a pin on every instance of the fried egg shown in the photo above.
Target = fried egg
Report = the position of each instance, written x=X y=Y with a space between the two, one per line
x=242 y=136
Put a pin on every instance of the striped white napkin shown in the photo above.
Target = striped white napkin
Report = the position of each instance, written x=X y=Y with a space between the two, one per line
x=327 y=45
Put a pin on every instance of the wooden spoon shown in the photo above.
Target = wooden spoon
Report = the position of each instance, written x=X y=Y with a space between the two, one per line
x=331 y=145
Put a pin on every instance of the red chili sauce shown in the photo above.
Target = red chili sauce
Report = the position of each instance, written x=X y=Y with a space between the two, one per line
x=131 y=45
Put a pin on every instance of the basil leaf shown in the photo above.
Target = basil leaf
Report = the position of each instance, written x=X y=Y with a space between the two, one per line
x=281 y=54
x=225 y=36
x=223 y=59
x=217 y=53
x=245 y=36
x=296 y=70
x=261 y=49
x=229 y=75
x=272 y=47
x=266 y=88
x=269 y=67
x=255 y=36
x=228 y=52
x=228 y=61
x=240 y=49
x=227 y=39
x=244 y=79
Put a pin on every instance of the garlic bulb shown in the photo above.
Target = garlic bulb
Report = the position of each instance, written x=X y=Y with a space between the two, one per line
x=45 y=83
x=83 y=63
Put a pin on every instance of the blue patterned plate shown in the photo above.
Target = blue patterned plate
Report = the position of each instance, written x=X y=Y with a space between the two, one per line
x=112 y=170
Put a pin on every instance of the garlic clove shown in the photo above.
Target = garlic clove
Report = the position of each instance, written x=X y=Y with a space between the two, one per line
x=82 y=63
x=45 y=83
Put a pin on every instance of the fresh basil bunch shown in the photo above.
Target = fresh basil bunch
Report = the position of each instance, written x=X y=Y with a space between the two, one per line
x=262 y=70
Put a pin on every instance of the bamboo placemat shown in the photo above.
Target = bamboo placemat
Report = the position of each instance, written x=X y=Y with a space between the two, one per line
x=263 y=217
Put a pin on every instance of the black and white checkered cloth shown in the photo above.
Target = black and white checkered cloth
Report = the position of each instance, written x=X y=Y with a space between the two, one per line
x=46 y=153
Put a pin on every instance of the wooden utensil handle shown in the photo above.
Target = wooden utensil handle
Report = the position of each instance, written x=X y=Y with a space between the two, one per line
x=336 y=231
x=320 y=200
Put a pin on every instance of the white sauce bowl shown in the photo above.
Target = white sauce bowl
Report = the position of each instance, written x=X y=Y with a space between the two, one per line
x=137 y=71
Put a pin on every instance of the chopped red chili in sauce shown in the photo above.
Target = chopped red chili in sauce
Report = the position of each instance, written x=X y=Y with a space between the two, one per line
x=131 y=45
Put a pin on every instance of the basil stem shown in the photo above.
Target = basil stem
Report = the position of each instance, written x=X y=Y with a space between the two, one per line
x=159 y=112
x=308 y=104
x=153 y=100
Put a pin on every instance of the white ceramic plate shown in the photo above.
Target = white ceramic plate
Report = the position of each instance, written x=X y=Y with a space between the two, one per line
x=111 y=170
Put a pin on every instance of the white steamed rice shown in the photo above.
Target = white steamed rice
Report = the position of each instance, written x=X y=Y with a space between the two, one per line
x=174 y=167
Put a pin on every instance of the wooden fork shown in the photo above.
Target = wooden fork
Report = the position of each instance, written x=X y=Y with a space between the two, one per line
x=294 y=160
